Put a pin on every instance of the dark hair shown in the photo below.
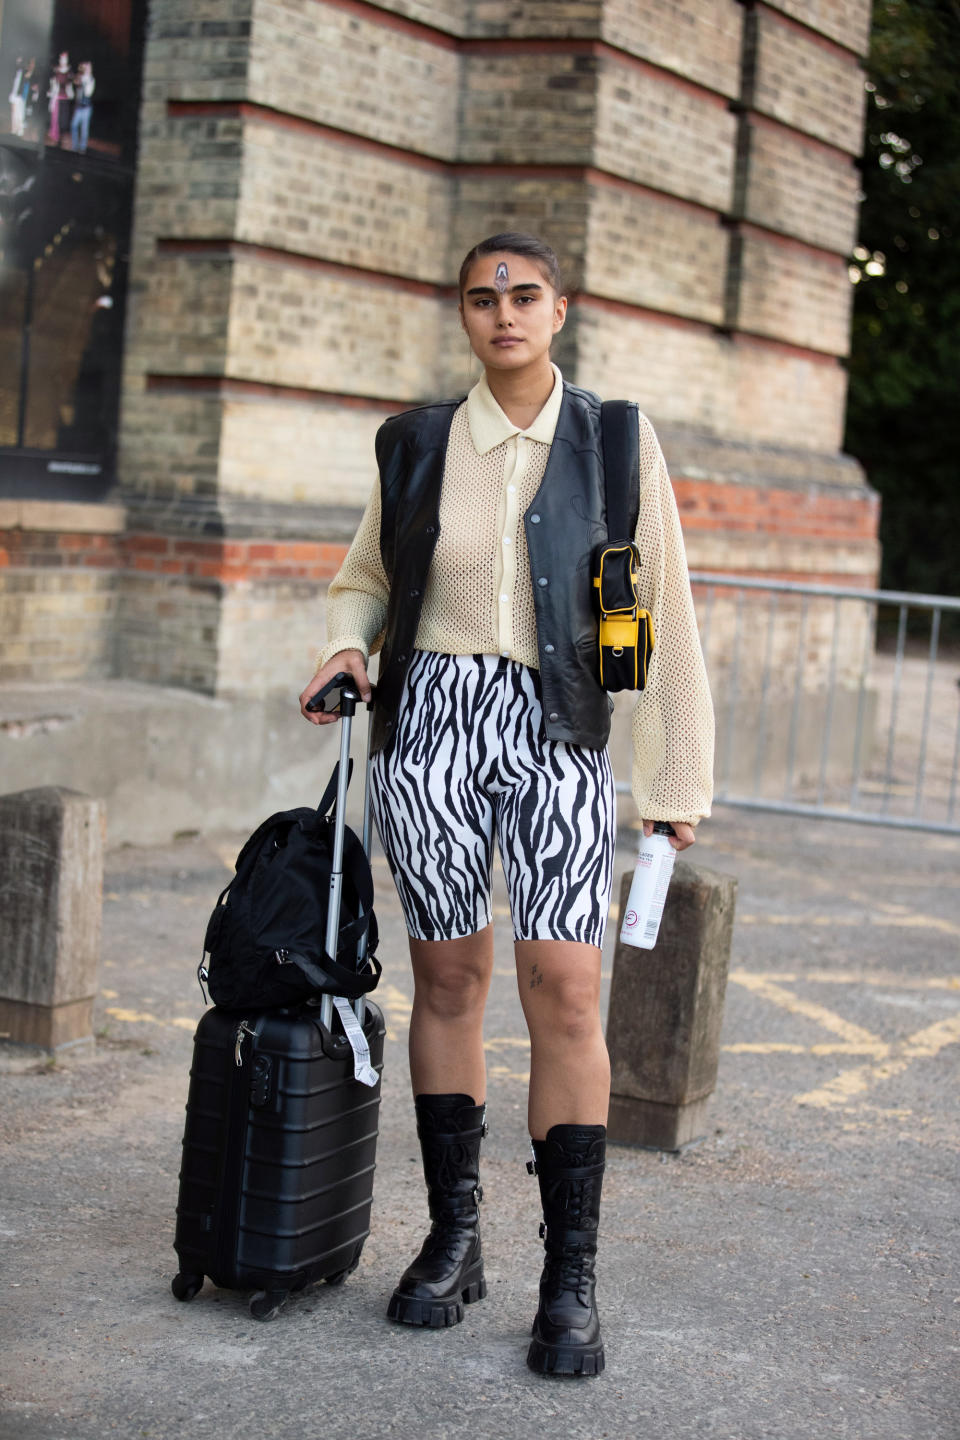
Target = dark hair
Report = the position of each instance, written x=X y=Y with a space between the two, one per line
x=515 y=242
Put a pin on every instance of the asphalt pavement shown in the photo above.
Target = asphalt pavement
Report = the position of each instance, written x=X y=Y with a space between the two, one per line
x=794 y=1276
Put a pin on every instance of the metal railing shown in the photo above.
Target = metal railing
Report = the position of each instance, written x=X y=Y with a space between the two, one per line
x=827 y=702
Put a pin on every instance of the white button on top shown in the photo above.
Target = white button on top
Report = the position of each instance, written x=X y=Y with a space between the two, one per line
x=504 y=599
x=506 y=540
x=511 y=489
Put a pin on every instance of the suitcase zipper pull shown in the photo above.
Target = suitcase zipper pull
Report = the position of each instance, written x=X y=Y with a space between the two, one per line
x=242 y=1029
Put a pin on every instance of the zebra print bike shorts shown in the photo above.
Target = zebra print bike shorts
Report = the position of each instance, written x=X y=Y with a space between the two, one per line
x=469 y=758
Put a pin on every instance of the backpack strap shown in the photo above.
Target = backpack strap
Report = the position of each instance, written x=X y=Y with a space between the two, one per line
x=351 y=983
x=621 y=467
x=329 y=795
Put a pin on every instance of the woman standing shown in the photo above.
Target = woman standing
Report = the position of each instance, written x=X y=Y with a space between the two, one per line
x=471 y=573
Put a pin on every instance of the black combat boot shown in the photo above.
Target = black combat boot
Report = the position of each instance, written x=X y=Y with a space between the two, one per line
x=566 y=1333
x=448 y=1272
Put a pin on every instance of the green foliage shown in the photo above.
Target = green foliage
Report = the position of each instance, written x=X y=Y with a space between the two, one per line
x=903 y=418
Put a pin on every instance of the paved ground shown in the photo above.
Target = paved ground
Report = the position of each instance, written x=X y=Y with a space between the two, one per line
x=797 y=1275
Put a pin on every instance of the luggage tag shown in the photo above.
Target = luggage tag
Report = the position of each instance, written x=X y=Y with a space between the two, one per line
x=362 y=1069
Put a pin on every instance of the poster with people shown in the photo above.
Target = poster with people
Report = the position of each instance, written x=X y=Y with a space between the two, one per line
x=70 y=73
x=64 y=68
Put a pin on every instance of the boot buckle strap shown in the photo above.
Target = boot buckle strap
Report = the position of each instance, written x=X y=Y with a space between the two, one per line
x=532 y=1167
x=562 y=1237
x=478 y=1194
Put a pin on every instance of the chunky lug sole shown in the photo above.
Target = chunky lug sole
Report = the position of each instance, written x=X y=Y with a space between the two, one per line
x=438 y=1314
x=564 y=1359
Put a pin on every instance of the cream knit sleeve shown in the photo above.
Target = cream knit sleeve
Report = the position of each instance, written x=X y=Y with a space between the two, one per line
x=357 y=598
x=673 y=716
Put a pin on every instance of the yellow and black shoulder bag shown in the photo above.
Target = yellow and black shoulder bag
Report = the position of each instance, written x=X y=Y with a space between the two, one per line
x=625 y=628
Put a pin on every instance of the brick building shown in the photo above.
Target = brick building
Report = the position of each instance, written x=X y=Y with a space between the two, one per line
x=309 y=173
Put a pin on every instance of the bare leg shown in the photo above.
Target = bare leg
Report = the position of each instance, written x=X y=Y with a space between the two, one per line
x=569 y=1067
x=451 y=981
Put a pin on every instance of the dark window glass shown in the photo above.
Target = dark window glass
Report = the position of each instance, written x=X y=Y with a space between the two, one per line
x=71 y=73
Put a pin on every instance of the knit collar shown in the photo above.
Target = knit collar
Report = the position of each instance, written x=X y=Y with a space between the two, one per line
x=490 y=427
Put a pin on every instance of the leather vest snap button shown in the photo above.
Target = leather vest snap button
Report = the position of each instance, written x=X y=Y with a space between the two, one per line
x=431 y=529
x=549 y=649
x=534 y=519
x=401 y=659
x=414 y=594
x=554 y=715
x=543 y=580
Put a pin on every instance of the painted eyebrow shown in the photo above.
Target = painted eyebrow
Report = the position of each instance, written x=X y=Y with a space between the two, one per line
x=489 y=290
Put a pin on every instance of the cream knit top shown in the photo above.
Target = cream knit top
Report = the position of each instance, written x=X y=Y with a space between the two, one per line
x=479 y=596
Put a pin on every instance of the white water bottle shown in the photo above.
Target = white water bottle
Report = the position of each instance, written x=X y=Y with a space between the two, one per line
x=648 y=893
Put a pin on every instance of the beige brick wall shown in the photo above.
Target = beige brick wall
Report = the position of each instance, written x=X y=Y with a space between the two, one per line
x=791 y=293
x=290 y=451
x=169 y=442
x=801 y=188
x=314 y=195
x=341 y=68
x=168 y=634
x=183 y=315
x=662 y=133
x=654 y=252
x=698 y=40
x=269 y=637
x=548 y=18
x=808 y=85
x=522 y=108
x=56 y=624
x=295 y=325
x=846 y=21
x=784 y=397
x=779 y=555
x=554 y=207
x=687 y=375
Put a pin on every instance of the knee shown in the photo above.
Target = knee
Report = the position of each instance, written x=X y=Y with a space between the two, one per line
x=451 y=994
x=573 y=1010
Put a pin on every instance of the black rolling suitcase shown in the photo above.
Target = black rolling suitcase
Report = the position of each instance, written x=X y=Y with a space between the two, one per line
x=279 y=1147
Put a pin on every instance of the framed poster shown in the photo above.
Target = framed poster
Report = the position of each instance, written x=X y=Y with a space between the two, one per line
x=71 y=82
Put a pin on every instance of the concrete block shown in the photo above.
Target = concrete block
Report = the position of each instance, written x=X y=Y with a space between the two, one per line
x=666 y=1010
x=51 y=880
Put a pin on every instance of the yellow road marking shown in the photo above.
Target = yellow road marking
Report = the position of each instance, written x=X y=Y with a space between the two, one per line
x=133 y=1017
x=810 y=1010
x=780 y=1047
x=503 y=1072
x=850 y=922
x=850 y=1083
x=396 y=1008
x=144 y=1017
x=507 y=1043
x=855 y=977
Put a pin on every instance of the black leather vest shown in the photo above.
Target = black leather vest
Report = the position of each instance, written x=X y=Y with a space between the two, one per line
x=564 y=523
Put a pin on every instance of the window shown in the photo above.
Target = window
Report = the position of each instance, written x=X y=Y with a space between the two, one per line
x=69 y=92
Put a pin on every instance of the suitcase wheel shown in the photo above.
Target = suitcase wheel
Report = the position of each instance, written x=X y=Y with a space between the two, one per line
x=185 y=1286
x=267 y=1304
x=338 y=1276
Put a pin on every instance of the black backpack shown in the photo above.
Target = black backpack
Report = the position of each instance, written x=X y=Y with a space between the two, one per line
x=265 y=938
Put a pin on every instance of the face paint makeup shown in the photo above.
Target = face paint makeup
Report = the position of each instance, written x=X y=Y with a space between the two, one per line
x=502 y=278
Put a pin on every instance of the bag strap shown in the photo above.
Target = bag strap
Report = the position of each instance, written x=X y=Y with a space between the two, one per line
x=347 y=982
x=621 y=467
x=329 y=795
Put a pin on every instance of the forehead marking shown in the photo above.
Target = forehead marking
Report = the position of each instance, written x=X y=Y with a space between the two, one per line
x=502 y=278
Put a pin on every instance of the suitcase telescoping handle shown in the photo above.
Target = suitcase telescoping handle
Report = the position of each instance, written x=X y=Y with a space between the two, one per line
x=346 y=702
